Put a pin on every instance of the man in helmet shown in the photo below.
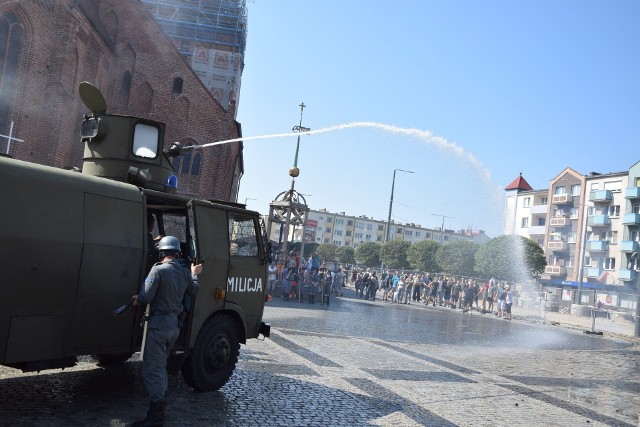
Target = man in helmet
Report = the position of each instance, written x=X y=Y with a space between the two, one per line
x=164 y=290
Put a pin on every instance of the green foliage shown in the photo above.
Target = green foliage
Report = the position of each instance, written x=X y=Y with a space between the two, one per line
x=458 y=257
x=327 y=252
x=368 y=253
x=422 y=255
x=394 y=253
x=346 y=255
x=512 y=258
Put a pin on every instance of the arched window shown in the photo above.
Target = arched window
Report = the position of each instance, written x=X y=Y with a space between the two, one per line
x=186 y=162
x=195 y=165
x=177 y=86
x=125 y=87
x=10 y=49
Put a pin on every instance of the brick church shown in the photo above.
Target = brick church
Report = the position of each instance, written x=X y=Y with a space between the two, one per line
x=47 y=47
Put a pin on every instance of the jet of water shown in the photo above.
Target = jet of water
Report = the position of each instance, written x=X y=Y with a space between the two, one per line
x=423 y=135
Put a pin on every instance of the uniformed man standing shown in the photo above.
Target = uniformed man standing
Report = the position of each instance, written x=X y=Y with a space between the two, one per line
x=163 y=290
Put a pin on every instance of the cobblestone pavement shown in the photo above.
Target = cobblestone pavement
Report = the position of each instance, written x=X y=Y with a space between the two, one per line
x=366 y=363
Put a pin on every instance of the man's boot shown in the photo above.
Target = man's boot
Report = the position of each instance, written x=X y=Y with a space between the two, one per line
x=155 y=416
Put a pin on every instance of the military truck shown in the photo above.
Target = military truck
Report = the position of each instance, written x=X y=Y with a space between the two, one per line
x=76 y=245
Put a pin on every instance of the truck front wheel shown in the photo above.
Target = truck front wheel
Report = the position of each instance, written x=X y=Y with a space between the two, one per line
x=214 y=355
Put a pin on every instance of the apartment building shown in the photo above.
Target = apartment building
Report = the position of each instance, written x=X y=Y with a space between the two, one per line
x=341 y=229
x=588 y=227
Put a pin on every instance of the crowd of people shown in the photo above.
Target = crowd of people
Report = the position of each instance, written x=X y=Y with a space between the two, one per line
x=307 y=279
x=445 y=291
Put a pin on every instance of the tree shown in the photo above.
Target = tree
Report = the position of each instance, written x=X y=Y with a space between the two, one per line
x=368 y=253
x=512 y=258
x=458 y=257
x=345 y=254
x=422 y=255
x=327 y=252
x=394 y=253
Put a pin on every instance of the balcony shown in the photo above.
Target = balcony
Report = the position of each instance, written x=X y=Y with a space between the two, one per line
x=539 y=209
x=598 y=220
x=559 y=221
x=594 y=273
x=601 y=196
x=561 y=198
x=629 y=246
x=557 y=245
x=631 y=219
x=555 y=270
x=627 y=275
x=632 y=193
x=597 y=245
x=537 y=230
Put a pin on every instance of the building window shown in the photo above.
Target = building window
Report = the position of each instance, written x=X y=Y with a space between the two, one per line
x=560 y=190
x=380 y=227
x=399 y=230
x=542 y=221
x=524 y=223
x=348 y=233
x=544 y=200
x=526 y=202
x=369 y=227
x=339 y=221
x=349 y=222
x=609 y=263
x=418 y=234
x=408 y=233
x=427 y=235
x=125 y=86
x=338 y=232
x=571 y=237
x=576 y=189
x=367 y=237
x=327 y=240
x=614 y=211
x=446 y=238
x=327 y=230
x=329 y=219
x=358 y=236
x=379 y=239
x=10 y=49
x=177 y=86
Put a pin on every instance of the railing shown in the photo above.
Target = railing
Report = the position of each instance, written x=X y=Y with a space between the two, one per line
x=561 y=198
x=632 y=193
x=597 y=245
x=601 y=196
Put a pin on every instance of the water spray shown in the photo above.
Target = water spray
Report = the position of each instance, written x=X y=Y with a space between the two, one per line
x=423 y=135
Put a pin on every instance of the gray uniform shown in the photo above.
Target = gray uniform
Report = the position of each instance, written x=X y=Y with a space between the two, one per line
x=164 y=289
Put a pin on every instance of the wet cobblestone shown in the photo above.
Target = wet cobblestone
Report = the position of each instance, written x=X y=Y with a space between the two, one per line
x=363 y=363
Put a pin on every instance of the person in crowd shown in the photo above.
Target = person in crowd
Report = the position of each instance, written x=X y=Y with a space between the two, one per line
x=433 y=293
x=508 y=301
x=455 y=294
x=338 y=282
x=447 y=291
x=314 y=281
x=399 y=291
x=373 y=286
x=490 y=292
x=272 y=272
x=408 y=284
x=499 y=298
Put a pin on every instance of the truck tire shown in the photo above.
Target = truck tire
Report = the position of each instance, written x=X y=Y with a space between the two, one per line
x=214 y=355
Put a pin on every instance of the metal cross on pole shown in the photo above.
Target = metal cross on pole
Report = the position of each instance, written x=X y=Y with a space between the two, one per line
x=10 y=137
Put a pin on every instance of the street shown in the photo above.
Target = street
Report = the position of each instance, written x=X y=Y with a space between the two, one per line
x=358 y=363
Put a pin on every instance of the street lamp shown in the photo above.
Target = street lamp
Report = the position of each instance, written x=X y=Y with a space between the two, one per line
x=248 y=198
x=393 y=184
x=442 y=228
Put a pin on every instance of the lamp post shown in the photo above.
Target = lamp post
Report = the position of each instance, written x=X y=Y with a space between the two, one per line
x=248 y=198
x=442 y=227
x=393 y=184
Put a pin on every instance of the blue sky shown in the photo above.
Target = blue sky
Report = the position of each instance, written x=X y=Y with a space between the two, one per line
x=505 y=86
